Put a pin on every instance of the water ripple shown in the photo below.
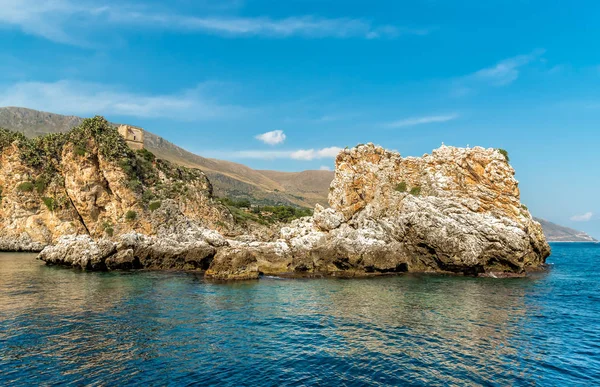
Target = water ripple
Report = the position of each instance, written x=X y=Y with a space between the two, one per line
x=60 y=327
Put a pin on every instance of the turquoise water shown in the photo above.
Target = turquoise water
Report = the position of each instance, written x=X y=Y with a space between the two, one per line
x=60 y=326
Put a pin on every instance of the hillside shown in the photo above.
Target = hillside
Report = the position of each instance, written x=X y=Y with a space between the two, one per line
x=88 y=181
x=556 y=233
x=229 y=179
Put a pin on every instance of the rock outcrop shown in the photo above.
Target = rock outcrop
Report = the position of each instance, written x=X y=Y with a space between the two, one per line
x=88 y=182
x=132 y=251
x=454 y=211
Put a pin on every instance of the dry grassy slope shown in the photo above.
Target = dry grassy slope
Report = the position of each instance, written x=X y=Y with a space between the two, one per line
x=313 y=185
x=228 y=179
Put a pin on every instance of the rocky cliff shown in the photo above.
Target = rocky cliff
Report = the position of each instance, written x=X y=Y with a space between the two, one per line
x=454 y=211
x=89 y=182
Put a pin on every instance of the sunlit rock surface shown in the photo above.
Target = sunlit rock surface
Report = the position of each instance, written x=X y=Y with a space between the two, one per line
x=457 y=210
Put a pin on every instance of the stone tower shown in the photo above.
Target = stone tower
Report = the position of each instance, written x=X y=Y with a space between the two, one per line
x=134 y=136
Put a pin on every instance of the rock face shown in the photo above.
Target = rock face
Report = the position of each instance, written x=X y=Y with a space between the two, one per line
x=454 y=211
x=89 y=182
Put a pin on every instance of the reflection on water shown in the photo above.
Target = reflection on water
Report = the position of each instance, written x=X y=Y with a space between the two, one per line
x=61 y=325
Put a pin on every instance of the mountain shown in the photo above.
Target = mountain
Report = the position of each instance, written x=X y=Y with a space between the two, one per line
x=556 y=233
x=229 y=179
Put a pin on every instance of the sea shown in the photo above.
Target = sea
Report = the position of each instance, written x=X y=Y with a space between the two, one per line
x=60 y=326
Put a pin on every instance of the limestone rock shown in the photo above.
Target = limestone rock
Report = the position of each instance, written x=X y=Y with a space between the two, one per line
x=22 y=242
x=455 y=211
x=327 y=219
x=122 y=260
x=234 y=264
x=79 y=251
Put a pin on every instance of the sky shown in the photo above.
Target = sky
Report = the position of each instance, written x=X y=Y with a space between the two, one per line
x=285 y=84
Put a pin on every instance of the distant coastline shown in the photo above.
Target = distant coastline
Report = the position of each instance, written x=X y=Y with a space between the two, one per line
x=590 y=242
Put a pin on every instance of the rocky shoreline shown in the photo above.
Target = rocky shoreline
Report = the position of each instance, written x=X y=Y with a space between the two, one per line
x=456 y=211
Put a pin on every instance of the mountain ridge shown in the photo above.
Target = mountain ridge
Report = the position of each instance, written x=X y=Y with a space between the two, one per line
x=558 y=233
x=229 y=179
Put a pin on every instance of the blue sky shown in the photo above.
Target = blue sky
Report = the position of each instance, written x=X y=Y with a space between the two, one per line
x=314 y=76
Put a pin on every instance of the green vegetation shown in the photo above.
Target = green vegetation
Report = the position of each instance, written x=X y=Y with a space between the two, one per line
x=8 y=137
x=242 y=203
x=401 y=187
x=108 y=228
x=154 y=206
x=50 y=203
x=244 y=211
x=504 y=153
x=131 y=215
x=524 y=207
x=40 y=185
x=416 y=191
x=26 y=186
x=80 y=151
x=146 y=155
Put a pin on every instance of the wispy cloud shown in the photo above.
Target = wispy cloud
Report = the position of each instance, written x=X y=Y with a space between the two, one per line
x=272 y=138
x=507 y=71
x=583 y=218
x=305 y=26
x=66 y=21
x=83 y=98
x=47 y=19
x=501 y=74
x=325 y=168
x=300 y=154
x=422 y=120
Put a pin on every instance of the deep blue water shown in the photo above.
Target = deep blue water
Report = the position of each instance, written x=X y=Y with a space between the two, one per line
x=60 y=326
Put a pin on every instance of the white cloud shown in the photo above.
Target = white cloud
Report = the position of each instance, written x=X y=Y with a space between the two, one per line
x=66 y=21
x=300 y=154
x=312 y=154
x=583 y=218
x=272 y=138
x=421 y=120
x=83 y=98
x=325 y=168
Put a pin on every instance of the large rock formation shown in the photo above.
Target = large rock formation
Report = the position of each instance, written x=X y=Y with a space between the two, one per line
x=454 y=211
x=89 y=182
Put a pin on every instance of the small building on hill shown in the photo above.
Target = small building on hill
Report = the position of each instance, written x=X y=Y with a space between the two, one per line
x=133 y=136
